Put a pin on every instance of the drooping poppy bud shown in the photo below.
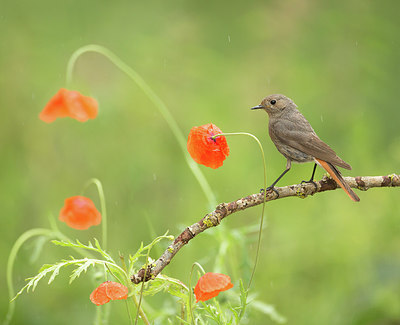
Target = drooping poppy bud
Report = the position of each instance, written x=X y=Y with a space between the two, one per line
x=79 y=212
x=204 y=149
x=107 y=291
x=210 y=285
x=68 y=103
x=99 y=296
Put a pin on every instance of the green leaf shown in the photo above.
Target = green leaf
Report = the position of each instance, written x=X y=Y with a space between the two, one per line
x=82 y=268
x=54 y=269
x=145 y=250
x=44 y=267
x=55 y=273
x=167 y=284
x=97 y=248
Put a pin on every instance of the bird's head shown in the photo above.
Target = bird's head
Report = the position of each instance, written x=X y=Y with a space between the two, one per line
x=275 y=104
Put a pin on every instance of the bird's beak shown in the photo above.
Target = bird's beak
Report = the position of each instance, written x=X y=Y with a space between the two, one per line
x=257 y=107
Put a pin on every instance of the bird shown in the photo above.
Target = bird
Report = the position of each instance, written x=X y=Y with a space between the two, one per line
x=295 y=139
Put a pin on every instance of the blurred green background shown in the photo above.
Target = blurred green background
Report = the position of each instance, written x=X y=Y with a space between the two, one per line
x=324 y=260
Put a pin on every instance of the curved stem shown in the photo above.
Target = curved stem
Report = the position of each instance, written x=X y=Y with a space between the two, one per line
x=100 y=190
x=263 y=205
x=11 y=260
x=190 y=288
x=135 y=77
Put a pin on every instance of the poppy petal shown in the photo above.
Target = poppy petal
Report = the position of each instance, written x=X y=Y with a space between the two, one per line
x=68 y=103
x=80 y=213
x=99 y=296
x=107 y=291
x=81 y=107
x=210 y=285
x=116 y=291
x=56 y=107
x=204 y=149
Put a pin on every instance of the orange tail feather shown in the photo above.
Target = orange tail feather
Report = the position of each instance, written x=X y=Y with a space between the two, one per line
x=335 y=174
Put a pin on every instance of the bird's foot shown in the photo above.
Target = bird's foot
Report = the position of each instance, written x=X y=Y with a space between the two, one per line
x=269 y=189
x=310 y=181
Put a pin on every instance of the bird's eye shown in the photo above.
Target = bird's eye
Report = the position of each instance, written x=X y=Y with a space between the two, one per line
x=273 y=102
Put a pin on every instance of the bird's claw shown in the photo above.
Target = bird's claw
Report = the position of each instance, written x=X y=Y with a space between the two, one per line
x=269 y=189
x=310 y=181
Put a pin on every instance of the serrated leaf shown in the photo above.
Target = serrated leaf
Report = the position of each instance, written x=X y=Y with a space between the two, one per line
x=89 y=246
x=35 y=282
x=61 y=243
x=55 y=273
x=133 y=258
x=83 y=265
x=235 y=314
x=45 y=267
x=167 y=284
x=97 y=244
x=82 y=268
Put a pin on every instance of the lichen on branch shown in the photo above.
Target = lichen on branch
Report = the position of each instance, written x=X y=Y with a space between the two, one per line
x=223 y=210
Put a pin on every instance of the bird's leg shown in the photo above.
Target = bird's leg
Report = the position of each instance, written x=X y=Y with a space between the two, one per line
x=312 y=178
x=312 y=175
x=272 y=186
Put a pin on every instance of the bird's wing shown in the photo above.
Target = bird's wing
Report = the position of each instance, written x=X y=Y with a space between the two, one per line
x=301 y=136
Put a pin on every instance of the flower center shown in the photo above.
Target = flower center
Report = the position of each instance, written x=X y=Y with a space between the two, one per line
x=212 y=137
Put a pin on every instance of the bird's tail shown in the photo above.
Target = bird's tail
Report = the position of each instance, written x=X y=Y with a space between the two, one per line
x=335 y=174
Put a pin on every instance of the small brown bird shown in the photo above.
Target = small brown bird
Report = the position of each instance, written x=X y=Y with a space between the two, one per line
x=294 y=138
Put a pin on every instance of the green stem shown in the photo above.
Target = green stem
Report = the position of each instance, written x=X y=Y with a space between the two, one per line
x=11 y=260
x=150 y=246
x=96 y=182
x=135 y=77
x=122 y=259
x=263 y=205
x=190 y=288
x=54 y=232
x=98 y=319
x=143 y=316
x=138 y=305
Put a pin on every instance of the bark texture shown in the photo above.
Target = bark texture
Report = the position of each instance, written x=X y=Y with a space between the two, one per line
x=223 y=210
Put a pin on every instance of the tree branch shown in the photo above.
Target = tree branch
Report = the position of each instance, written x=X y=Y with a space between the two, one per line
x=223 y=210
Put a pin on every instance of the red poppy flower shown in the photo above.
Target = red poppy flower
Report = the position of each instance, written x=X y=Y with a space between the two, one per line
x=210 y=285
x=67 y=103
x=108 y=291
x=204 y=149
x=79 y=212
